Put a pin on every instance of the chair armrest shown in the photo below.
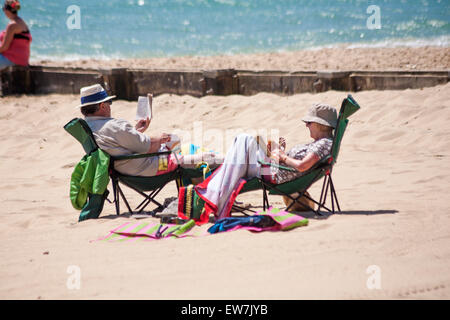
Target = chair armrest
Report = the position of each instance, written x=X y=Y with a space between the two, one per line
x=277 y=166
x=140 y=155
x=321 y=162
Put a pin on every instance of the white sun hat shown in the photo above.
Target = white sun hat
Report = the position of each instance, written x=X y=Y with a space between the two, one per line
x=323 y=114
x=92 y=95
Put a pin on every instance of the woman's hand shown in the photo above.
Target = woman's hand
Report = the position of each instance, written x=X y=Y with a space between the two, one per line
x=278 y=155
x=142 y=125
x=282 y=143
x=272 y=145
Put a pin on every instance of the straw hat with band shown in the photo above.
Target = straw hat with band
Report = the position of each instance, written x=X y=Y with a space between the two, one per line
x=92 y=95
x=322 y=114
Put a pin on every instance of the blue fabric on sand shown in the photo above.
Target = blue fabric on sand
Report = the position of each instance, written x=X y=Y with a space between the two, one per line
x=228 y=223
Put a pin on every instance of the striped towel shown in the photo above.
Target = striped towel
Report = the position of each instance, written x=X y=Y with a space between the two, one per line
x=147 y=231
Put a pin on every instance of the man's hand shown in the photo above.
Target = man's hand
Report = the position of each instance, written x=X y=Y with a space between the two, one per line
x=164 y=138
x=142 y=125
x=157 y=141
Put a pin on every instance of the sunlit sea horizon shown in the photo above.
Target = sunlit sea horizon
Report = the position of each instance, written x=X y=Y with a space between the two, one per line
x=120 y=29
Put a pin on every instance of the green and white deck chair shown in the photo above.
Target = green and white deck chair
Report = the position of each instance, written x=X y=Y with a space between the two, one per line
x=148 y=187
x=322 y=169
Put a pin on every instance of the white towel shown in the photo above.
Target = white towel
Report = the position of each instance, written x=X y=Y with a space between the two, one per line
x=241 y=162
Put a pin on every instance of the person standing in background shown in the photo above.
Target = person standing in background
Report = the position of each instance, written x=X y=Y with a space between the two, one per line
x=15 y=40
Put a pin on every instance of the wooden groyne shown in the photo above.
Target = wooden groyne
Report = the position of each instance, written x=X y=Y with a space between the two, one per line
x=129 y=83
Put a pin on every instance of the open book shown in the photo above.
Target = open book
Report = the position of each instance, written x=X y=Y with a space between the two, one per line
x=270 y=145
x=144 y=108
x=262 y=143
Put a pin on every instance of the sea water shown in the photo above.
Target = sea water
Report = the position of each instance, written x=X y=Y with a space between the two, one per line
x=69 y=29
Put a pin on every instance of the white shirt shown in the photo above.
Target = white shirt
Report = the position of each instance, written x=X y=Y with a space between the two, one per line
x=119 y=137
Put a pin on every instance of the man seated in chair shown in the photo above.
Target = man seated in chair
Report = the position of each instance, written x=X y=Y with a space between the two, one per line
x=119 y=137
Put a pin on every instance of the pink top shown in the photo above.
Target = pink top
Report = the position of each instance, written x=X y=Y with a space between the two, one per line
x=19 y=49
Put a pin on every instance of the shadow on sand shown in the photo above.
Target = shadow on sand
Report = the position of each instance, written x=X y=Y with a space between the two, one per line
x=305 y=214
x=326 y=215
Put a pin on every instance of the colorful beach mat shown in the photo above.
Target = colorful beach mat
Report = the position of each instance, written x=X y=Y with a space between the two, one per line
x=272 y=219
x=149 y=231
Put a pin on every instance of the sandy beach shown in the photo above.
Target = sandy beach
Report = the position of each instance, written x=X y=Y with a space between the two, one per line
x=392 y=179
x=340 y=58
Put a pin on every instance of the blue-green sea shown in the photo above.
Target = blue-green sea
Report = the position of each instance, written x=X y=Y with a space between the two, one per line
x=69 y=29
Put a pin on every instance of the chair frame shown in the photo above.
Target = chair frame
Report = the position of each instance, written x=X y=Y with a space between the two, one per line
x=327 y=186
x=148 y=198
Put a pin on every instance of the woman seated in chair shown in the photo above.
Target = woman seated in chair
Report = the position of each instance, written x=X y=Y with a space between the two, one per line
x=241 y=162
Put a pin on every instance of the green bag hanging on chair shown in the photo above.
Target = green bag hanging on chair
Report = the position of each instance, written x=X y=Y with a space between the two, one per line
x=88 y=184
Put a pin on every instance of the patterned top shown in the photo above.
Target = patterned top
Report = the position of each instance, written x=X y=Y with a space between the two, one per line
x=321 y=147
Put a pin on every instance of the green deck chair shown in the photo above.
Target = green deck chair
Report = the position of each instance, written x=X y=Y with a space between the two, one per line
x=148 y=187
x=321 y=169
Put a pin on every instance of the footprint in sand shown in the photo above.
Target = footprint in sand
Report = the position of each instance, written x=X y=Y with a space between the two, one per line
x=69 y=165
x=362 y=133
x=28 y=185
x=400 y=172
x=42 y=209
x=320 y=227
x=391 y=136
x=23 y=224
x=428 y=289
x=430 y=179
x=8 y=187
x=376 y=182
